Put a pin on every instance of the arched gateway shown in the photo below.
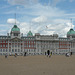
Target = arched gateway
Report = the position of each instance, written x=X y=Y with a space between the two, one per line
x=48 y=52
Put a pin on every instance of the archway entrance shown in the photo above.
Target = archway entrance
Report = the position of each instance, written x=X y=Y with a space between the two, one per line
x=48 y=52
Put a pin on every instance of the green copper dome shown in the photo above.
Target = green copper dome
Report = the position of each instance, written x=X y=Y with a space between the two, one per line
x=71 y=31
x=29 y=33
x=15 y=28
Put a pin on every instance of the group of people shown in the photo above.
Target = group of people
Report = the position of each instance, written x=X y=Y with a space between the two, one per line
x=25 y=54
x=68 y=54
x=49 y=54
x=15 y=55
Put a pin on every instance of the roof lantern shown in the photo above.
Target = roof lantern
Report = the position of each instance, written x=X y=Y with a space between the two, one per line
x=29 y=33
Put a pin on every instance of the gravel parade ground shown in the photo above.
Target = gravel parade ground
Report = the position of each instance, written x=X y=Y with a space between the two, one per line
x=37 y=65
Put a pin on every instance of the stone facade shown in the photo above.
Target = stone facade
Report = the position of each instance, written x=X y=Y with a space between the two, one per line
x=36 y=44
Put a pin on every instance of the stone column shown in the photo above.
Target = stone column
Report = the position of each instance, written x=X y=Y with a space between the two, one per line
x=8 y=48
x=23 y=47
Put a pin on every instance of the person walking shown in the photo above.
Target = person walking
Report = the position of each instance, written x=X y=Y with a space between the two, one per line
x=50 y=54
x=6 y=56
x=25 y=54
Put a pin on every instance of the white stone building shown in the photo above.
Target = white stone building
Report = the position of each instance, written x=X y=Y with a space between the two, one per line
x=37 y=44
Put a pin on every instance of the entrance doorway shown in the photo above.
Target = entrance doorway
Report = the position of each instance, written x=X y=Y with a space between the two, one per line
x=48 y=52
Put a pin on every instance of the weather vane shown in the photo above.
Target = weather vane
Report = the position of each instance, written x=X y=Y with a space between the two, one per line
x=15 y=18
x=71 y=22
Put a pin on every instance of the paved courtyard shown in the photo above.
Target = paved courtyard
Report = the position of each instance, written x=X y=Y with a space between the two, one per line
x=37 y=65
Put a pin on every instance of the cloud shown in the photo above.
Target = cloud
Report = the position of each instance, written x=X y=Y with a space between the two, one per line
x=33 y=2
x=37 y=25
x=71 y=0
x=5 y=7
x=29 y=3
x=2 y=25
x=2 y=32
x=22 y=2
x=61 y=21
x=12 y=21
x=60 y=29
x=46 y=29
x=38 y=10
x=55 y=2
x=41 y=16
x=24 y=27
x=39 y=19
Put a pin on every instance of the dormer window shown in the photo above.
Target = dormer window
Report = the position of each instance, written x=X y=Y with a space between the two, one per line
x=15 y=34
